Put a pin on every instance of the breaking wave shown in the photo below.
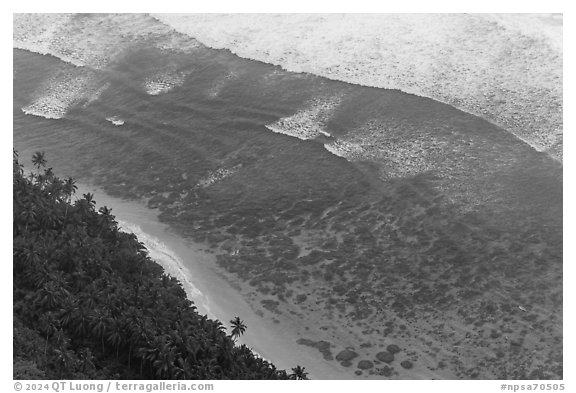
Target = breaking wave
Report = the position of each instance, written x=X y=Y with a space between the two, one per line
x=62 y=91
x=171 y=263
x=310 y=122
x=506 y=68
x=163 y=81
x=92 y=43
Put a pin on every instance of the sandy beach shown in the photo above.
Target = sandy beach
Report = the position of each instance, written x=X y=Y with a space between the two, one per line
x=211 y=292
x=299 y=178
x=288 y=335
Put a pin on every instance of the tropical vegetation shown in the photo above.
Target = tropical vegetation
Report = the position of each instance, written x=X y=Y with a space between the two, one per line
x=89 y=303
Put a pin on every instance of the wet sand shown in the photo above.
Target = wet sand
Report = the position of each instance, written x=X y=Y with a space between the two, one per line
x=214 y=294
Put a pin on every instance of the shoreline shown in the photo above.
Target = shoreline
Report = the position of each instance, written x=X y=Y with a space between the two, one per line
x=525 y=128
x=295 y=334
x=386 y=271
x=194 y=265
x=504 y=103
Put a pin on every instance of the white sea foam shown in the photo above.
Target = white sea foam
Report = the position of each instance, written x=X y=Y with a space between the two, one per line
x=62 y=91
x=40 y=33
x=218 y=175
x=506 y=68
x=91 y=43
x=163 y=81
x=117 y=121
x=309 y=122
x=56 y=35
x=92 y=40
x=178 y=43
x=171 y=263
x=348 y=150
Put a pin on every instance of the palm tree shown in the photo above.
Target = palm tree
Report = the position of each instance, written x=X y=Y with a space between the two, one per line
x=50 y=219
x=164 y=363
x=81 y=321
x=67 y=311
x=115 y=334
x=69 y=189
x=28 y=215
x=64 y=357
x=106 y=220
x=29 y=254
x=299 y=373
x=38 y=160
x=49 y=174
x=89 y=198
x=50 y=296
x=99 y=326
x=238 y=328
x=48 y=325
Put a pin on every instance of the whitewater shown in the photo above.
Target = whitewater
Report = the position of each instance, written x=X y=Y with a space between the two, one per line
x=505 y=68
x=206 y=289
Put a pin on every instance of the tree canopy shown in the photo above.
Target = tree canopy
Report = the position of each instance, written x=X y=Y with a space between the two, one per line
x=89 y=303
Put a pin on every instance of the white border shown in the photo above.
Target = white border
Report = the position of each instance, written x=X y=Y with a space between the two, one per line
x=302 y=6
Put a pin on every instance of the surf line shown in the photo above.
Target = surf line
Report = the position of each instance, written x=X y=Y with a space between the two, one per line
x=169 y=251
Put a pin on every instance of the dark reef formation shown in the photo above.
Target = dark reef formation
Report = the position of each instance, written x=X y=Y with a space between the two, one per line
x=90 y=304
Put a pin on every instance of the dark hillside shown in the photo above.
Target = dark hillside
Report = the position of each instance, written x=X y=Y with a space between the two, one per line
x=90 y=304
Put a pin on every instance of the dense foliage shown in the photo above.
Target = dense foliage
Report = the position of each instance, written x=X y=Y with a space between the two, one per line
x=89 y=303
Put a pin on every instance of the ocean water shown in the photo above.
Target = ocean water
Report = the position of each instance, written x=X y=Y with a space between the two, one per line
x=314 y=193
x=503 y=67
